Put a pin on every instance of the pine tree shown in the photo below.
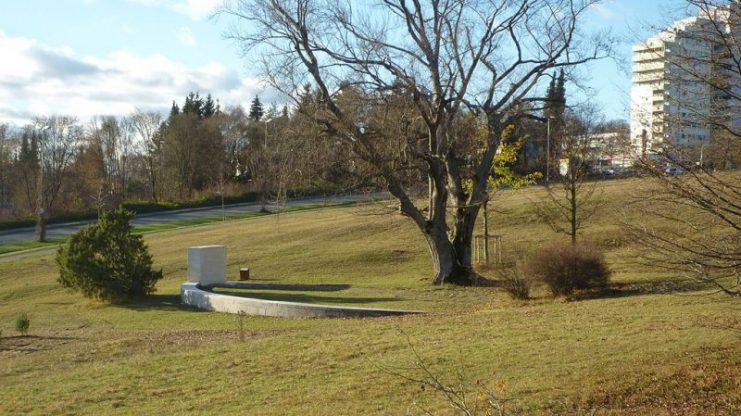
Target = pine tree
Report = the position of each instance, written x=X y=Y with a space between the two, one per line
x=35 y=147
x=560 y=94
x=549 y=94
x=193 y=105
x=174 y=110
x=27 y=168
x=25 y=148
x=554 y=110
x=256 y=110
x=107 y=261
x=209 y=107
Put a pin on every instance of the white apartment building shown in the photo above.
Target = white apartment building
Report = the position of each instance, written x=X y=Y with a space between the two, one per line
x=673 y=99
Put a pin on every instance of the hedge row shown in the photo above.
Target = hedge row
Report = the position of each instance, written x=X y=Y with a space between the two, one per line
x=146 y=207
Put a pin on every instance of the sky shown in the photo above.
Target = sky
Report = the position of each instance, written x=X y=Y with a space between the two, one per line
x=109 y=57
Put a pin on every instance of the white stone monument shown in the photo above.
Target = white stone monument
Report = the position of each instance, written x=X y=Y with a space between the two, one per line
x=207 y=265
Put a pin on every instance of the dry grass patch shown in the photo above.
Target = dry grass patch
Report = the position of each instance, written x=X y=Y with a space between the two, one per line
x=650 y=344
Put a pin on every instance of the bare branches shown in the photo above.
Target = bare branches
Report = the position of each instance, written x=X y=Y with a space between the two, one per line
x=694 y=246
x=447 y=59
x=462 y=395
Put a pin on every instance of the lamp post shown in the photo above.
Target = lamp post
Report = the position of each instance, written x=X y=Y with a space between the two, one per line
x=548 y=150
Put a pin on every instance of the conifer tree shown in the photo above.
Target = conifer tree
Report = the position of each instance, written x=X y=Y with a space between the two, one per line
x=107 y=261
x=209 y=107
x=174 y=110
x=256 y=110
x=553 y=112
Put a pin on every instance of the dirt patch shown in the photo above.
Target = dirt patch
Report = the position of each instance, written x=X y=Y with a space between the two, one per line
x=21 y=345
x=710 y=388
x=111 y=345
x=207 y=336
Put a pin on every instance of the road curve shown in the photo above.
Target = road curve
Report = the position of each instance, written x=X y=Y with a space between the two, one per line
x=65 y=229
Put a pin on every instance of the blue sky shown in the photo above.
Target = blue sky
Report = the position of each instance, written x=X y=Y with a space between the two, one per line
x=94 y=57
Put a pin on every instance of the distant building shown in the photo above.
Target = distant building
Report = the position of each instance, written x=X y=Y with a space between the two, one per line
x=674 y=99
x=608 y=152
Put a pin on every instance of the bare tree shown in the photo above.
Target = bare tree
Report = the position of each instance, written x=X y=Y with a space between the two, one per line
x=58 y=141
x=124 y=153
x=233 y=122
x=448 y=57
x=5 y=160
x=704 y=204
x=273 y=156
x=573 y=199
x=147 y=126
x=462 y=395
x=26 y=169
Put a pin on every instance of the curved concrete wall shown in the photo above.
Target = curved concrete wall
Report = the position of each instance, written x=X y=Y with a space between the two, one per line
x=192 y=294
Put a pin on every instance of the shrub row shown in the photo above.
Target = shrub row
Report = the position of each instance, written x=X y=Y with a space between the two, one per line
x=146 y=207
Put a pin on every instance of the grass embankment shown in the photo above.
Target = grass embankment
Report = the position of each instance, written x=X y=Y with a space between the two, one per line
x=10 y=248
x=655 y=346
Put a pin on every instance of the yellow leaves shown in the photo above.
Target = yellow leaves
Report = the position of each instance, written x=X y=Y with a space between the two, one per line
x=502 y=173
x=505 y=159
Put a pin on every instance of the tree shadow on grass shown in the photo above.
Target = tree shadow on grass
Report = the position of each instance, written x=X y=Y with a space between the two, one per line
x=158 y=302
x=651 y=287
x=304 y=298
x=172 y=302
x=298 y=287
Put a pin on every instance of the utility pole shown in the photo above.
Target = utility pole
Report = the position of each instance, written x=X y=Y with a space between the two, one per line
x=548 y=149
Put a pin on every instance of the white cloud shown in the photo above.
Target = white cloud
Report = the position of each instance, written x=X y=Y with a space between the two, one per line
x=606 y=10
x=185 y=36
x=198 y=9
x=37 y=79
x=195 y=9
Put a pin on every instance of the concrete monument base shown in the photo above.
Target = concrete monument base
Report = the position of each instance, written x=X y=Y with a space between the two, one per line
x=207 y=269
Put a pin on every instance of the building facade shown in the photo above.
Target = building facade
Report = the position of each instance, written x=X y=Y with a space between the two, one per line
x=683 y=86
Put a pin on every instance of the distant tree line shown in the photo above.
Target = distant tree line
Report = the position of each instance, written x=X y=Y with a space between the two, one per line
x=59 y=164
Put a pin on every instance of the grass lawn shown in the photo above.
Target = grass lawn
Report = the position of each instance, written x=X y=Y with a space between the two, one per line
x=656 y=345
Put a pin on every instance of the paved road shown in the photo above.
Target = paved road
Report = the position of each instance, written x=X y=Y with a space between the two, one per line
x=66 y=229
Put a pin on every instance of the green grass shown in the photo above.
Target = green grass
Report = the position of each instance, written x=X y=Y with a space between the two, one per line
x=29 y=245
x=9 y=248
x=655 y=345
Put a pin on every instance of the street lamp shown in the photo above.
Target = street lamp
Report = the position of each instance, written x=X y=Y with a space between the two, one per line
x=548 y=150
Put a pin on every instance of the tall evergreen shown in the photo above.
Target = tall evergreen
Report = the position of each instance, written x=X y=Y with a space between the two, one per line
x=549 y=96
x=560 y=93
x=29 y=149
x=25 y=148
x=554 y=111
x=209 y=107
x=193 y=105
x=256 y=110
x=174 y=110
x=555 y=96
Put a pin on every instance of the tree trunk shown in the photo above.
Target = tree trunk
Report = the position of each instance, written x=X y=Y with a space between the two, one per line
x=451 y=258
x=450 y=262
x=40 y=230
